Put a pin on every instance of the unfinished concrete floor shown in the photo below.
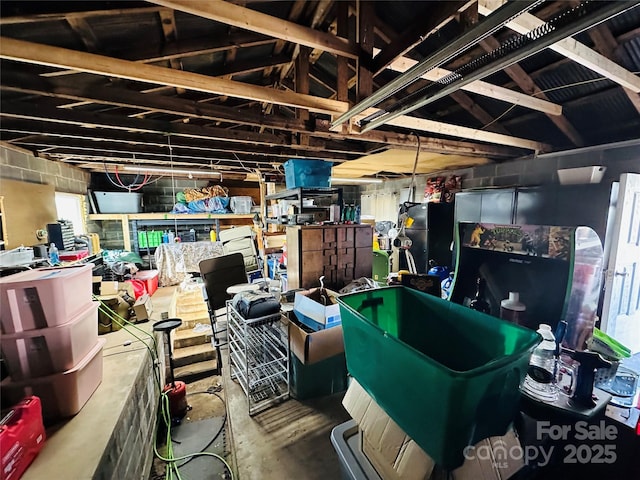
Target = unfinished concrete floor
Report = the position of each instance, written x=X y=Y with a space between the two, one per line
x=288 y=441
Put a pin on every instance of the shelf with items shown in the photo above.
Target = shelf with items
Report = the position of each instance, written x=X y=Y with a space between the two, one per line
x=308 y=204
x=130 y=222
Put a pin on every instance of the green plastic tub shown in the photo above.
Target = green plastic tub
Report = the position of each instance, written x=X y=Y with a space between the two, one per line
x=447 y=375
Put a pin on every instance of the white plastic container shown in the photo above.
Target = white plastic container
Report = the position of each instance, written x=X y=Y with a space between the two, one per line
x=44 y=298
x=62 y=394
x=119 y=202
x=241 y=205
x=17 y=256
x=45 y=351
x=512 y=309
x=581 y=175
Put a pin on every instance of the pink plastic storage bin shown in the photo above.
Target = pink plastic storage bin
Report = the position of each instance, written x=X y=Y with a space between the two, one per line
x=44 y=298
x=62 y=394
x=35 y=353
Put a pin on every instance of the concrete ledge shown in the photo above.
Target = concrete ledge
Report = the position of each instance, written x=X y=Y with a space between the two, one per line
x=112 y=436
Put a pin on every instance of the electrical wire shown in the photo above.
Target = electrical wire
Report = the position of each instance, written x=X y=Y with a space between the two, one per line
x=415 y=165
x=220 y=430
x=552 y=89
x=170 y=459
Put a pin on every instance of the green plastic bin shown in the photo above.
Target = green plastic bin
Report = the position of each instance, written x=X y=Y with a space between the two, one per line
x=447 y=375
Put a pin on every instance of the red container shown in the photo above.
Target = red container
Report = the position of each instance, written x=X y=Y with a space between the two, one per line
x=69 y=256
x=21 y=437
x=150 y=278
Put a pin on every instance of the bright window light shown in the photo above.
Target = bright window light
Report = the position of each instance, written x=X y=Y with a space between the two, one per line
x=72 y=207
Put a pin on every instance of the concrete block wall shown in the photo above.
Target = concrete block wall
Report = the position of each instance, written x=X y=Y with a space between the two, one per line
x=543 y=170
x=21 y=165
x=129 y=453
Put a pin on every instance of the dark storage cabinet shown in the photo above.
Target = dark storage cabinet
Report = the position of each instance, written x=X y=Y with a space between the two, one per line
x=341 y=253
x=431 y=234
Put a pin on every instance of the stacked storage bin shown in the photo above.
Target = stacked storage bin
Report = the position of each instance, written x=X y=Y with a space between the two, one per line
x=50 y=338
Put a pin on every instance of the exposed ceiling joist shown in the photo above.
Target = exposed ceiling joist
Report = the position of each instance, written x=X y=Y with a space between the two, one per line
x=526 y=83
x=483 y=88
x=569 y=47
x=441 y=128
x=60 y=57
x=180 y=107
x=184 y=49
x=424 y=26
x=48 y=17
x=230 y=14
x=606 y=44
x=40 y=54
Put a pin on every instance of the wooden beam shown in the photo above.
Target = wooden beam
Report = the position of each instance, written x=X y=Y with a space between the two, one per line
x=81 y=27
x=485 y=89
x=252 y=65
x=424 y=125
x=488 y=122
x=526 y=83
x=183 y=49
x=606 y=44
x=569 y=47
x=50 y=17
x=130 y=99
x=174 y=106
x=30 y=111
x=225 y=12
x=168 y=23
x=180 y=150
x=39 y=54
x=433 y=17
x=367 y=20
x=302 y=86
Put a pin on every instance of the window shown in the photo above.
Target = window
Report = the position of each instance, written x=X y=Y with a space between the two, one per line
x=383 y=206
x=72 y=207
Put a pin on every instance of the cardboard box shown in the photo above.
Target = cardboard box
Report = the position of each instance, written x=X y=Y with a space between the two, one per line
x=395 y=456
x=143 y=308
x=311 y=311
x=311 y=347
x=108 y=288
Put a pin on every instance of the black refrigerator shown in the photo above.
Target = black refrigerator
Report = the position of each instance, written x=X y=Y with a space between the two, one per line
x=431 y=233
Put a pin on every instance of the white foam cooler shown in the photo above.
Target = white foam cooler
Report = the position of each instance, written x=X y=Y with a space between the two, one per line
x=35 y=353
x=62 y=394
x=44 y=298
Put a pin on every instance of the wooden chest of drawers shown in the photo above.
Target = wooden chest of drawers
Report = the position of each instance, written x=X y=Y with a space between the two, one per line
x=341 y=253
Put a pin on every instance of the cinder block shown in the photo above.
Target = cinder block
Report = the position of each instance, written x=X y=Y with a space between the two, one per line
x=510 y=168
x=37 y=164
x=10 y=172
x=17 y=159
x=484 y=171
x=53 y=168
x=31 y=176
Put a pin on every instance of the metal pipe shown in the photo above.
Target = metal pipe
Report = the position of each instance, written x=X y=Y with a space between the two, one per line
x=602 y=14
x=488 y=26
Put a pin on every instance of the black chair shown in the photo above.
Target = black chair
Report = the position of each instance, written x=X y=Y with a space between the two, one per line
x=218 y=274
